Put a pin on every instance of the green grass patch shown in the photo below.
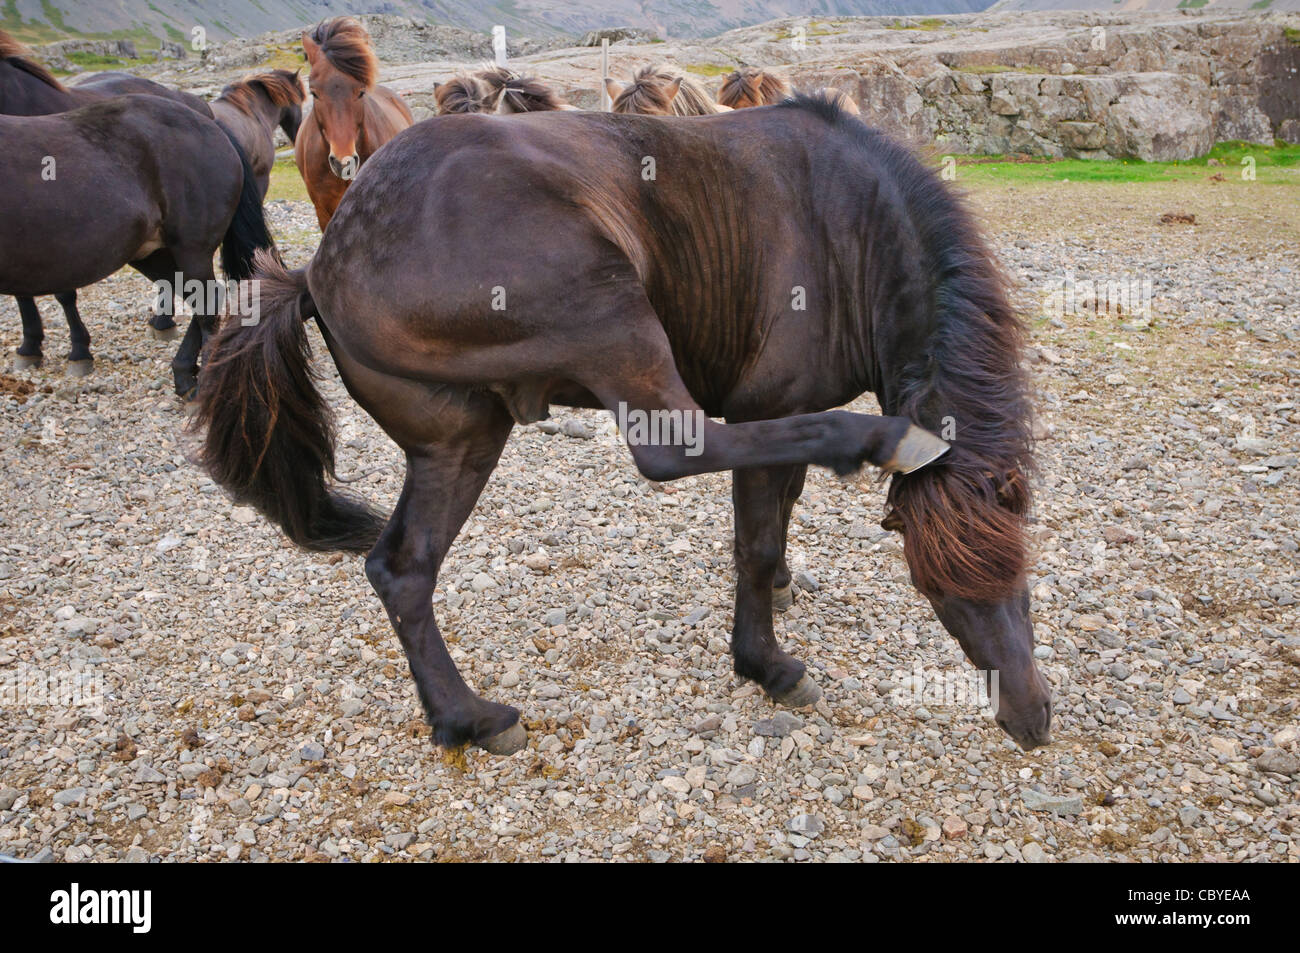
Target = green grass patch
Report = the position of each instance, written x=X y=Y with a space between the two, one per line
x=1278 y=164
x=286 y=183
x=707 y=69
x=928 y=23
x=985 y=69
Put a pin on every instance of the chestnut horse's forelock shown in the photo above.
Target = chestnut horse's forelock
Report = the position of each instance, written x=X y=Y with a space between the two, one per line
x=647 y=94
x=750 y=86
x=18 y=56
x=517 y=93
x=345 y=43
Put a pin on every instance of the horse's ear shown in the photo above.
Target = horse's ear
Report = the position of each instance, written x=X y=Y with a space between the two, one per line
x=672 y=88
x=309 y=47
x=614 y=88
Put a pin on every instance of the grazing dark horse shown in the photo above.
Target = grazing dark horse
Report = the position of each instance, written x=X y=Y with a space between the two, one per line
x=509 y=93
x=251 y=109
x=351 y=117
x=107 y=85
x=133 y=180
x=749 y=86
x=661 y=91
x=843 y=266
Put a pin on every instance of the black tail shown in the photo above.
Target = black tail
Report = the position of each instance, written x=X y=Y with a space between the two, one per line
x=247 y=233
x=270 y=434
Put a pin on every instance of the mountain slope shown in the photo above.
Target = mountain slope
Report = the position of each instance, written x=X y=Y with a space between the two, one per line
x=46 y=20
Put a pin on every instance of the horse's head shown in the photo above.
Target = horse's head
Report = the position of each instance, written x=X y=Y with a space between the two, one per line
x=290 y=99
x=343 y=72
x=964 y=539
x=649 y=94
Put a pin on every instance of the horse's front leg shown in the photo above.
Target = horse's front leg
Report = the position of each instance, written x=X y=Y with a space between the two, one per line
x=29 y=351
x=761 y=511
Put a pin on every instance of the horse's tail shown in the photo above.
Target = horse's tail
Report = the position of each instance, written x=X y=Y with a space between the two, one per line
x=269 y=437
x=247 y=233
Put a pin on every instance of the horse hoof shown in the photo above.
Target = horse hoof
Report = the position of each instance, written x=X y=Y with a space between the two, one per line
x=782 y=597
x=805 y=692
x=917 y=448
x=506 y=742
x=80 y=368
x=163 y=334
x=27 y=362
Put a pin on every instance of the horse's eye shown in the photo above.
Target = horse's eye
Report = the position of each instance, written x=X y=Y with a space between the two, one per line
x=360 y=93
x=313 y=93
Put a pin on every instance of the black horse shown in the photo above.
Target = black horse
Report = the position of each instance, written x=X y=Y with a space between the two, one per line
x=133 y=180
x=28 y=89
x=780 y=261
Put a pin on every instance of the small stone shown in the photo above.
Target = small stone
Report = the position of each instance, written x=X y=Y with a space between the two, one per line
x=312 y=751
x=1033 y=853
x=778 y=726
x=243 y=514
x=7 y=798
x=1278 y=761
x=810 y=825
x=1052 y=803
x=147 y=774
x=954 y=827
x=70 y=796
x=715 y=854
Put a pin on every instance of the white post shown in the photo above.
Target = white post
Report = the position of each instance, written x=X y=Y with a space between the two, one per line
x=605 y=103
x=499 y=44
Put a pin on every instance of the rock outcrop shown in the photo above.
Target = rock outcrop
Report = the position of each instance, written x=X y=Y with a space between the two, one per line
x=1155 y=86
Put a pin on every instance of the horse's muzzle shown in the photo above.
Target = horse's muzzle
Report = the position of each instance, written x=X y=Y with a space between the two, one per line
x=345 y=169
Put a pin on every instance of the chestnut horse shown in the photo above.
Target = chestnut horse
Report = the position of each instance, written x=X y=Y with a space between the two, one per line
x=749 y=86
x=661 y=91
x=28 y=89
x=509 y=93
x=351 y=117
x=843 y=265
x=251 y=109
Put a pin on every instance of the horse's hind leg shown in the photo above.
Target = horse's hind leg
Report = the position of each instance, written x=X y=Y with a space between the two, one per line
x=782 y=588
x=80 y=362
x=460 y=440
x=759 y=495
x=161 y=267
x=194 y=265
x=29 y=351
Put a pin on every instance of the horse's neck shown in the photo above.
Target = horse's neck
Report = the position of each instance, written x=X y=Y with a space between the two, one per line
x=382 y=122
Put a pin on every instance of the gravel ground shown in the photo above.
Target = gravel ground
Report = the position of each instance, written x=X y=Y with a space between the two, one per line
x=257 y=705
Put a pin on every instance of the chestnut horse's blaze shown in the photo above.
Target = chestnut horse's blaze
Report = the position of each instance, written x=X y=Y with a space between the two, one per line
x=664 y=295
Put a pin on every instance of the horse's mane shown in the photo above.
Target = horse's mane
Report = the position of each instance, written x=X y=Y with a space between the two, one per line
x=750 y=86
x=510 y=92
x=18 y=56
x=282 y=87
x=346 y=44
x=647 y=93
x=462 y=93
x=964 y=517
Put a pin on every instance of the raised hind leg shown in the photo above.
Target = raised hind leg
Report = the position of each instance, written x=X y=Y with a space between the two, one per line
x=29 y=351
x=80 y=362
x=762 y=507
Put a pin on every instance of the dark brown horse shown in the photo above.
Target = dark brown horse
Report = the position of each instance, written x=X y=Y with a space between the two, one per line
x=843 y=265
x=251 y=109
x=661 y=90
x=749 y=86
x=351 y=117
x=29 y=89
x=133 y=180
